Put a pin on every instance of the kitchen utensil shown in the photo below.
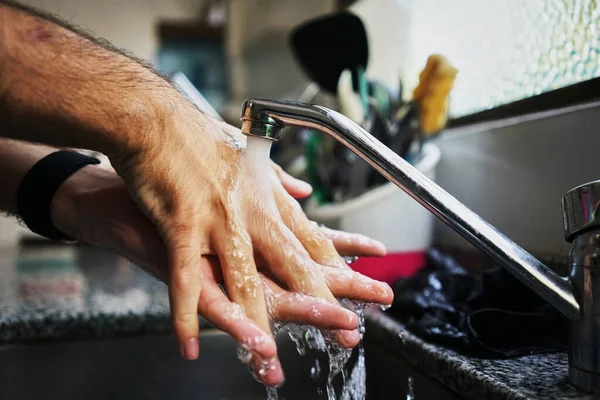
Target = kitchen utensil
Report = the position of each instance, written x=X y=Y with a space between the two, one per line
x=351 y=176
x=362 y=176
x=363 y=88
x=382 y=97
x=349 y=102
x=326 y=46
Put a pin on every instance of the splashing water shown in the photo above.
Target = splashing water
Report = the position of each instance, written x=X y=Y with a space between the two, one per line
x=315 y=370
x=355 y=388
x=272 y=394
x=308 y=337
x=410 y=391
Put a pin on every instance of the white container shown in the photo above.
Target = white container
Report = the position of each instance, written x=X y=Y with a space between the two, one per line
x=385 y=213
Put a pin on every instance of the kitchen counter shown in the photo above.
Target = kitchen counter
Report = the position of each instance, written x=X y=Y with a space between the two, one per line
x=541 y=376
x=72 y=292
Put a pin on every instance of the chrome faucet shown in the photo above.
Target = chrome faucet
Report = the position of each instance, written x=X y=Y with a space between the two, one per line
x=574 y=296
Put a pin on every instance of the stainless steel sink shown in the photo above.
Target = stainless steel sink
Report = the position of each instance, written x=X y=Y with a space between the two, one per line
x=149 y=367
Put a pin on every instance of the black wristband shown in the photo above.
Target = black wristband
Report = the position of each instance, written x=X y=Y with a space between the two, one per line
x=37 y=189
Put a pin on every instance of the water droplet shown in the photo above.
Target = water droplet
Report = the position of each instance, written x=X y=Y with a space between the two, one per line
x=266 y=366
x=236 y=143
x=402 y=336
x=350 y=259
x=315 y=312
x=272 y=393
x=244 y=354
x=410 y=391
x=315 y=370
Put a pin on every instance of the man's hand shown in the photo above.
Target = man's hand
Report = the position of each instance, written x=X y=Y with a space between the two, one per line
x=188 y=174
x=94 y=206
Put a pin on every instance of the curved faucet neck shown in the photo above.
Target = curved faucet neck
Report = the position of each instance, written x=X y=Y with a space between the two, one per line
x=266 y=118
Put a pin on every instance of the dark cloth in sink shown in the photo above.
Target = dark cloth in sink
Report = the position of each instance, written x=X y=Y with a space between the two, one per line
x=492 y=315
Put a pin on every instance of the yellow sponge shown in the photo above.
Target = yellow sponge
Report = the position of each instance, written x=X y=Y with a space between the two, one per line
x=432 y=94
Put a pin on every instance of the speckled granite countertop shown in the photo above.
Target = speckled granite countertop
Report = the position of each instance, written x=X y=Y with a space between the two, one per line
x=531 y=377
x=74 y=292
x=68 y=292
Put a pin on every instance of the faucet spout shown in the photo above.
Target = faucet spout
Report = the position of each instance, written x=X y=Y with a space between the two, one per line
x=265 y=118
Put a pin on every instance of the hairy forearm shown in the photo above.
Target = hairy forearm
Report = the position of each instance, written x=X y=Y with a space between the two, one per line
x=60 y=87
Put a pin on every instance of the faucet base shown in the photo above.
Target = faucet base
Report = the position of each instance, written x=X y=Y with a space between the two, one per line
x=584 y=380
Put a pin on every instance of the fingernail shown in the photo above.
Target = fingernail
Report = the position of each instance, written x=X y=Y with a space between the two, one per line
x=348 y=339
x=304 y=186
x=189 y=350
x=386 y=291
x=352 y=319
x=271 y=373
x=380 y=246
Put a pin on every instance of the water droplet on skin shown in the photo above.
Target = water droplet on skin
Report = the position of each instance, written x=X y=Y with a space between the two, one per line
x=351 y=316
x=236 y=143
x=350 y=260
x=266 y=366
x=235 y=312
x=244 y=354
x=315 y=312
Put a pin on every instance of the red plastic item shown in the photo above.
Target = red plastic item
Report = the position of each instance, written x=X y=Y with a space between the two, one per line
x=390 y=267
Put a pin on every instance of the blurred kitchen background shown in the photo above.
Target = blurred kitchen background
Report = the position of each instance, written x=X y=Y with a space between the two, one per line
x=522 y=127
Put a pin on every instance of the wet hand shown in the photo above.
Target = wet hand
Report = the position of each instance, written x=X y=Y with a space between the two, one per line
x=94 y=206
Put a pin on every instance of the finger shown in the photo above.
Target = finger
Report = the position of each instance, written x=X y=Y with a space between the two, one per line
x=348 y=339
x=355 y=286
x=242 y=282
x=307 y=310
x=184 y=290
x=229 y=317
x=319 y=247
x=290 y=263
x=323 y=244
x=354 y=244
x=295 y=187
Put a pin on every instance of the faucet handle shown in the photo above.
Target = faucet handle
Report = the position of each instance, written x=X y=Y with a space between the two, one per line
x=581 y=209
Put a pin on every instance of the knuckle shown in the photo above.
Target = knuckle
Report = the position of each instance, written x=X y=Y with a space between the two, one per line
x=250 y=287
x=183 y=280
x=185 y=318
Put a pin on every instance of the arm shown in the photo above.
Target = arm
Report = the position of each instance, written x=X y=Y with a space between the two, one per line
x=61 y=87
x=202 y=193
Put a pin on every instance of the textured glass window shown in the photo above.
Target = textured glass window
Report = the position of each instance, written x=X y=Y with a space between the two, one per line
x=506 y=50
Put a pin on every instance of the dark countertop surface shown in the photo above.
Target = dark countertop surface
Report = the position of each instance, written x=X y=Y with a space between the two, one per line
x=542 y=376
x=72 y=292
x=76 y=292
